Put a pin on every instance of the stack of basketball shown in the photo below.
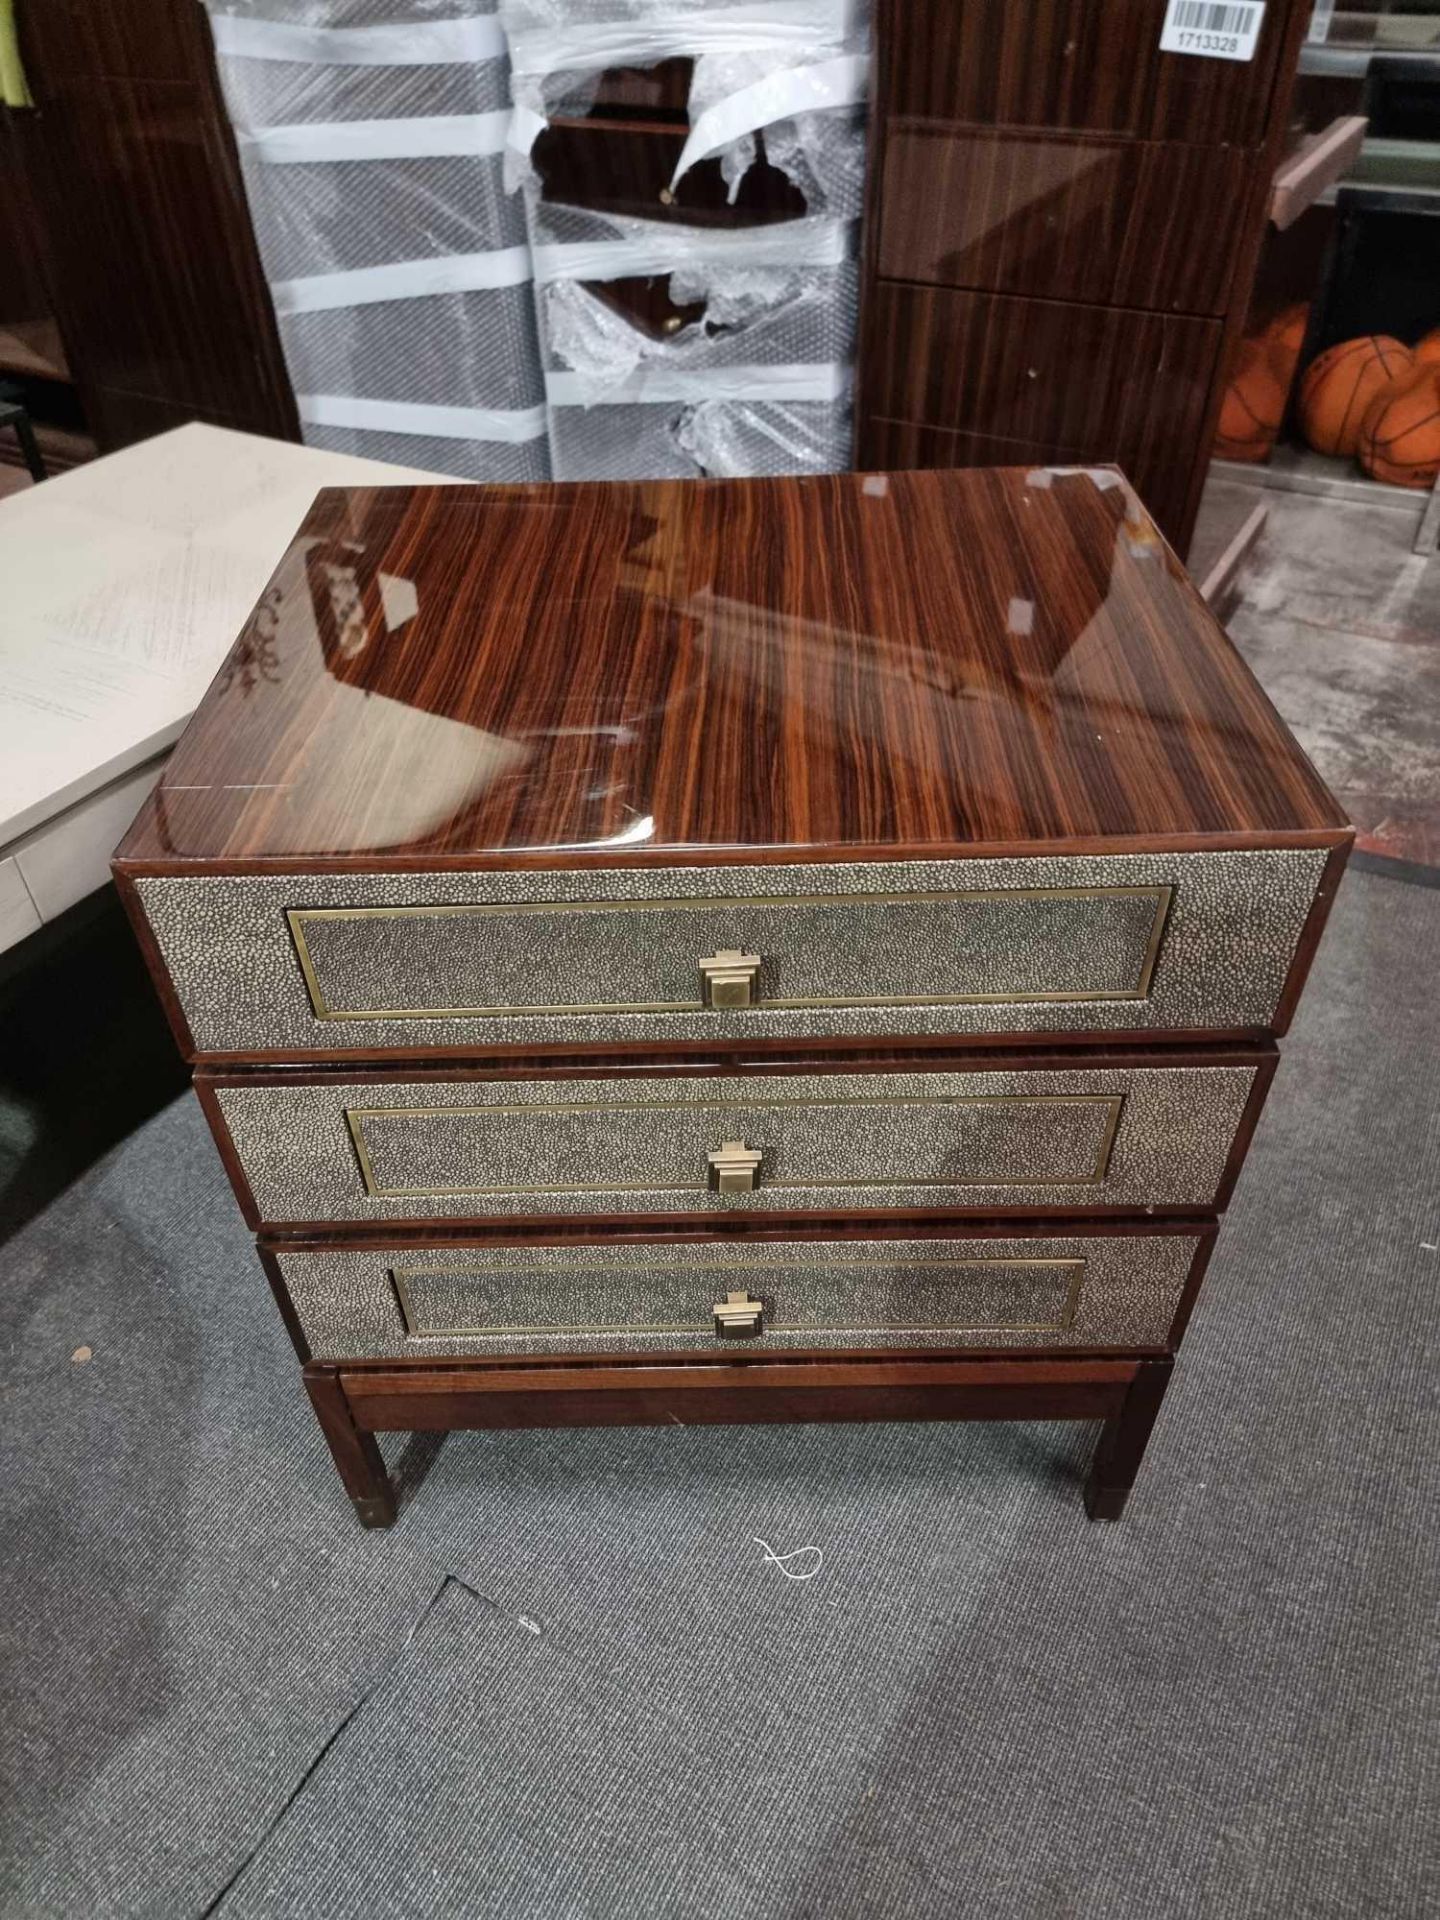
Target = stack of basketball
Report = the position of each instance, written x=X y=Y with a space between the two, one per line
x=1372 y=399
x=1259 y=385
x=1377 y=401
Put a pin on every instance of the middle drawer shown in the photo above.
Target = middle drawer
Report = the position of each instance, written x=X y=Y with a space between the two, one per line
x=1125 y=1132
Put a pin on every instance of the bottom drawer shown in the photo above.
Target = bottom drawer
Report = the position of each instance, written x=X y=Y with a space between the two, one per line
x=1074 y=1290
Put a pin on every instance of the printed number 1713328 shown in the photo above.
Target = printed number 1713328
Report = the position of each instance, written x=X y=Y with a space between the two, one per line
x=1213 y=29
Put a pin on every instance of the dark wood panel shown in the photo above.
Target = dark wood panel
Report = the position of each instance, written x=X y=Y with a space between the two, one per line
x=24 y=295
x=946 y=1056
x=1095 y=382
x=625 y=168
x=355 y=1402
x=1067 y=217
x=153 y=261
x=113 y=39
x=357 y=1459
x=752 y=1227
x=1074 y=63
x=660 y=92
x=1041 y=382
x=147 y=243
x=430 y=1397
x=119 y=418
x=807 y=664
x=1123 y=1441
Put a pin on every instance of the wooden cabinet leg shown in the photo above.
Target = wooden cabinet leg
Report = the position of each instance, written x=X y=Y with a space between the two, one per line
x=1123 y=1439
x=356 y=1455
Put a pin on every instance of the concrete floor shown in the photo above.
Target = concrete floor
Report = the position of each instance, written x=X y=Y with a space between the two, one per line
x=1341 y=622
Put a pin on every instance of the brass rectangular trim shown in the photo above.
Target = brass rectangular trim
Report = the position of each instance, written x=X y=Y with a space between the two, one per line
x=298 y=917
x=356 y=1117
x=401 y=1276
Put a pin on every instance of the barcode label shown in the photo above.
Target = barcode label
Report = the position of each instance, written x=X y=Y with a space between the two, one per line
x=1214 y=29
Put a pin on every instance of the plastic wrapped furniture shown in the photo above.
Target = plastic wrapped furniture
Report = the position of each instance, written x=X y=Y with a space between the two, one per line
x=715 y=337
x=371 y=134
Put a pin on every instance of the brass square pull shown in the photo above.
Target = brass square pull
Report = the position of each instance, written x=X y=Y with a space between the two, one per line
x=731 y=978
x=734 y=1168
x=738 y=1317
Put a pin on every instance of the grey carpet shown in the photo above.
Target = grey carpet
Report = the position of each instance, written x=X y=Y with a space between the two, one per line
x=569 y=1683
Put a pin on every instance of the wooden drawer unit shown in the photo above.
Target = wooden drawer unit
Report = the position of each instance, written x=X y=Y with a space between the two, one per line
x=740 y=950
x=336 y=1150
x=443 y=1301
x=1087 y=210
x=1060 y=217
x=1096 y=383
x=1139 y=943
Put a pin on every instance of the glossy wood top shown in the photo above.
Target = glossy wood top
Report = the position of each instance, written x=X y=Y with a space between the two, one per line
x=913 y=664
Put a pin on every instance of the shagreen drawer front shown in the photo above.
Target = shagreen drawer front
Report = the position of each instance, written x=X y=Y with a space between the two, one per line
x=313 y=964
x=341 y=1151
x=1028 y=1291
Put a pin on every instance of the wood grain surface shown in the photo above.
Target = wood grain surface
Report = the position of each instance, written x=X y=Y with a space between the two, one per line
x=148 y=247
x=1149 y=464
x=1073 y=63
x=934 y=662
x=1068 y=217
x=1086 y=384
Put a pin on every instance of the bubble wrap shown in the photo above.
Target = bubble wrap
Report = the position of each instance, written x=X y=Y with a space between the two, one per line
x=560 y=55
x=503 y=464
x=766 y=319
x=720 y=439
x=779 y=301
x=475 y=348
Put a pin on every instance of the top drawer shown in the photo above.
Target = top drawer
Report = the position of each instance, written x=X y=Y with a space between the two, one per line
x=1074 y=63
x=307 y=966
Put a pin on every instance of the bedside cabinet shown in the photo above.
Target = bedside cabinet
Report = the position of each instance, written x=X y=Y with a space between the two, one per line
x=733 y=950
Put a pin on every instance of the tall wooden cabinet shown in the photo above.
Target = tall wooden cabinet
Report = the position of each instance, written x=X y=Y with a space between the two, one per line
x=146 y=250
x=1063 y=223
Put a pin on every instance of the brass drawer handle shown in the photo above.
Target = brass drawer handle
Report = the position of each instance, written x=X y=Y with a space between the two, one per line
x=730 y=978
x=734 y=1168
x=738 y=1317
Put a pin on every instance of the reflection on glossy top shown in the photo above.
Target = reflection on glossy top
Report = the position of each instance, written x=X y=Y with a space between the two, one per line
x=927 y=662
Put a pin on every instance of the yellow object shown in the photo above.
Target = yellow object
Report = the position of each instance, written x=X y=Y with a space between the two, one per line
x=14 y=89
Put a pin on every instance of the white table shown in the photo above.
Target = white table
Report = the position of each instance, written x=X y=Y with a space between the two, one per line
x=122 y=585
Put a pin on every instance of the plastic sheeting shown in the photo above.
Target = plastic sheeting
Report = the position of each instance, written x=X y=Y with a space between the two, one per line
x=761 y=382
x=371 y=135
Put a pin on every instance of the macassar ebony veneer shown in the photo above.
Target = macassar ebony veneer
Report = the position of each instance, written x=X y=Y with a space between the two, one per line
x=1062 y=225
x=782 y=949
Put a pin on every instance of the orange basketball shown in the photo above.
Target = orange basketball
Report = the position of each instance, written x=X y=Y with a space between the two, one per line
x=1427 y=350
x=1340 y=384
x=1284 y=338
x=1400 y=437
x=1252 y=409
